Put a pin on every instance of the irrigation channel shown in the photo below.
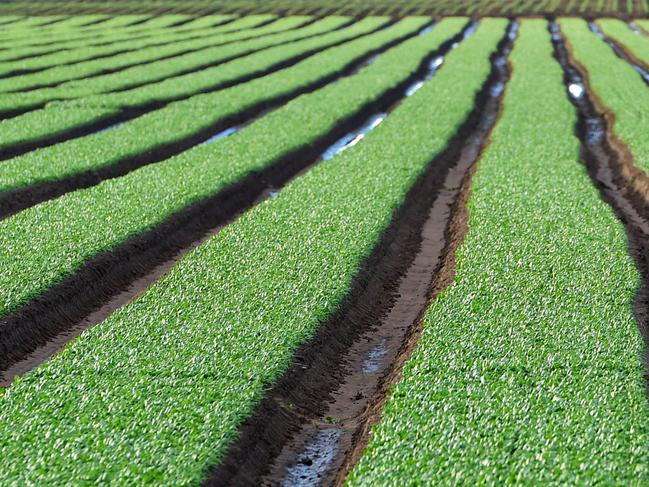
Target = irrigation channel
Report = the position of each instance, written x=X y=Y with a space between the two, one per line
x=622 y=185
x=19 y=199
x=33 y=333
x=622 y=52
x=314 y=423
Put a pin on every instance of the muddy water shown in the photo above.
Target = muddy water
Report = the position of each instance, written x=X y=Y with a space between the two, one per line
x=354 y=137
x=437 y=62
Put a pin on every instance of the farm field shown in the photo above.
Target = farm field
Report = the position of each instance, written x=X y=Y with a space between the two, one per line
x=323 y=243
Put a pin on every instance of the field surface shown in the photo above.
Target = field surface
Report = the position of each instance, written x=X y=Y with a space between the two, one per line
x=306 y=243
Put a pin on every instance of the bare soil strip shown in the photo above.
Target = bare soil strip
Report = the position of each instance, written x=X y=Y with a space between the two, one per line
x=622 y=52
x=34 y=332
x=315 y=421
x=622 y=185
x=14 y=201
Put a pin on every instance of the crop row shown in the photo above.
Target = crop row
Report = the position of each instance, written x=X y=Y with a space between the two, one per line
x=151 y=194
x=527 y=369
x=184 y=368
x=636 y=44
x=618 y=86
x=238 y=42
x=228 y=35
x=23 y=36
x=38 y=35
x=58 y=118
x=140 y=73
x=328 y=7
x=185 y=119
x=86 y=53
x=72 y=42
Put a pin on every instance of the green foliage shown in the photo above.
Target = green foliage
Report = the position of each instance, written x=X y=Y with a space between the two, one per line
x=183 y=119
x=33 y=254
x=204 y=46
x=84 y=52
x=61 y=117
x=156 y=392
x=528 y=369
x=620 y=32
x=617 y=84
x=621 y=8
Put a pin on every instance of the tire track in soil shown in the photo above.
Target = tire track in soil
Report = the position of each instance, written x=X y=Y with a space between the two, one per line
x=14 y=201
x=34 y=332
x=610 y=165
x=315 y=422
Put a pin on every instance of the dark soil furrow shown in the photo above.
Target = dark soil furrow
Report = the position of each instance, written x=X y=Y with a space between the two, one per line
x=13 y=201
x=107 y=281
x=622 y=185
x=622 y=52
x=314 y=422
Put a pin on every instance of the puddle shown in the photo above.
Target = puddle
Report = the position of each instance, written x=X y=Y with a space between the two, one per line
x=594 y=28
x=314 y=461
x=576 y=90
x=471 y=29
x=352 y=138
x=370 y=60
x=110 y=127
x=414 y=87
x=372 y=362
x=427 y=29
x=594 y=123
x=433 y=67
x=497 y=89
x=554 y=30
x=636 y=29
x=222 y=135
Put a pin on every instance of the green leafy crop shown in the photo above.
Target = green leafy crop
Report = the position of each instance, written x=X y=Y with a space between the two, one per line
x=528 y=370
x=156 y=392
